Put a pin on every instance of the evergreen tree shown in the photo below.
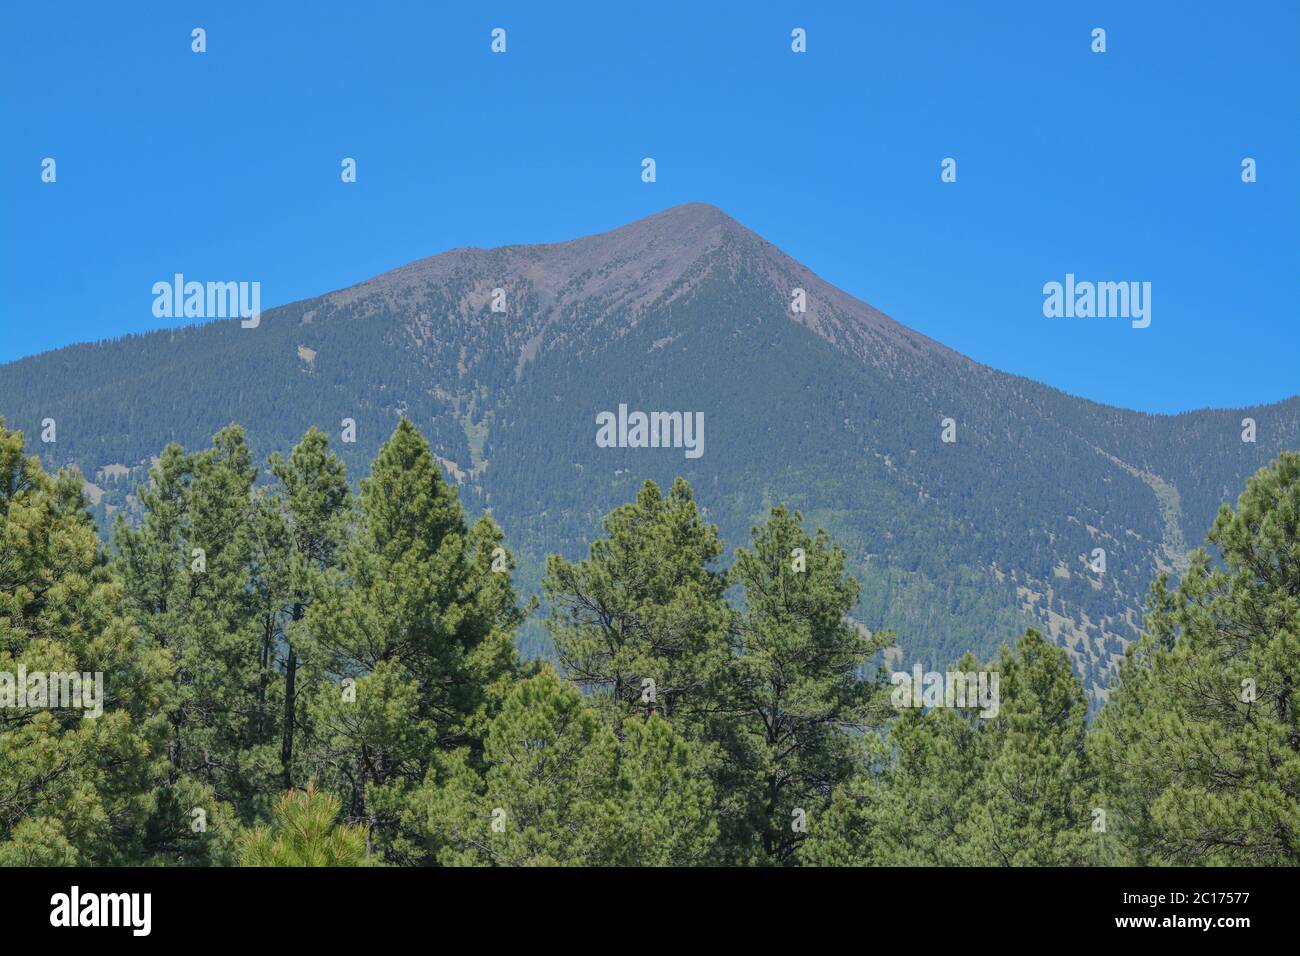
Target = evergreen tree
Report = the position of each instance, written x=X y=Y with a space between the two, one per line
x=800 y=710
x=251 y=636
x=232 y=744
x=665 y=799
x=188 y=577
x=301 y=541
x=304 y=832
x=925 y=800
x=1200 y=742
x=643 y=620
x=560 y=788
x=75 y=775
x=844 y=833
x=1033 y=800
x=416 y=633
x=969 y=787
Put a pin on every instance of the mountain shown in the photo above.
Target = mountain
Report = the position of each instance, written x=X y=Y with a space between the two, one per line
x=836 y=410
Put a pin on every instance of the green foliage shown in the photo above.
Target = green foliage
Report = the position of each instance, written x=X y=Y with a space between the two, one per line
x=561 y=788
x=261 y=629
x=1200 y=743
x=302 y=530
x=1031 y=805
x=304 y=832
x=798 y=709
x=966 y=787
x=421 y=627
x=74 y=783
x=645 y=606
x=189 y=586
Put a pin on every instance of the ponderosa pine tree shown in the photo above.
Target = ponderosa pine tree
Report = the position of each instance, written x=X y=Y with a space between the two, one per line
x=1011 y=789
x=187 y=569
x=666 y=801
x=561 y=788
x=643 y=620
x=799 y=706
x=271 y=554
x=923 y=801
x=1035 y=794
x=301 y=543
x=305 y=832
x=844 y=833
x=75 y=782
x=416 y=634
x=1200 y=742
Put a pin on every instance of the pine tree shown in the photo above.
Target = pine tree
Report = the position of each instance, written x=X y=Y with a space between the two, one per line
x=189 y=584
x=799 y=705
x=560 y=788
x=665 y=799
x=231 y=745
x=643 y=620
x=970 y=787
x=926 y=795
x=74 y=780
x=304 y=832
x=1033 y=801
x=301 y=541
x=844 y=833
x=415 y=632
x=1200 y=741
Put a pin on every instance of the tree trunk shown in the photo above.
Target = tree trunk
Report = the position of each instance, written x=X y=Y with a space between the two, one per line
x=290 y=698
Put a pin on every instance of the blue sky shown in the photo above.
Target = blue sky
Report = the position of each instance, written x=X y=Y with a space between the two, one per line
x=1116 y=166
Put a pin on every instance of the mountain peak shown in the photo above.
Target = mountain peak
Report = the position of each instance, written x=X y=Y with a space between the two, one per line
x=630 y=265
x=695 y=227
x=625 y=270
x=690 y=215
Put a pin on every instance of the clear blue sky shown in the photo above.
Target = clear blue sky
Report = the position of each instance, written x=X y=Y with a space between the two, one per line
x=1118 y=166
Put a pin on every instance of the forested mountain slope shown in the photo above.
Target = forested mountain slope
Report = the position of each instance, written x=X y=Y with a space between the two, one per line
x=836 y=411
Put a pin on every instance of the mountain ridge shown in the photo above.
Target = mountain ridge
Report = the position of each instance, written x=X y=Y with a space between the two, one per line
x=411 y=269
x=689 y=231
